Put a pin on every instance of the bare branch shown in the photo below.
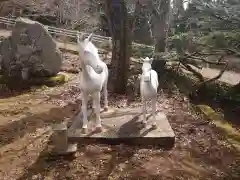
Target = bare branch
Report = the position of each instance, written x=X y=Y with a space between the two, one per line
x=189 y=68
x=206 y=61
x=216 y=77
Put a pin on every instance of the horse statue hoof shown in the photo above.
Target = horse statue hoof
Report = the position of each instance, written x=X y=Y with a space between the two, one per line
x=105 y=108
x=154 y=126
x=144 y=123
x=98 y=130
x=84 y=130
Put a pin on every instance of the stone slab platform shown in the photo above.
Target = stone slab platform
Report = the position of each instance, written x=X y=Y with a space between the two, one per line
x=124 y=126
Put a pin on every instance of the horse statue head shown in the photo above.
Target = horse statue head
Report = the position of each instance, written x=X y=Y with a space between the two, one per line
x=146 y=69
x=88 y=53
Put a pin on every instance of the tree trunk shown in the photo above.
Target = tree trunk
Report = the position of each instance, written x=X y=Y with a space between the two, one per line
x=160 y=43
x=160 y=23
x=121 y=43
x=141 y=32
x=178 y=8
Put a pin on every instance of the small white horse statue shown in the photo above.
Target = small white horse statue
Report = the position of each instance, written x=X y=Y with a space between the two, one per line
x=148 y=89
x=93 y=78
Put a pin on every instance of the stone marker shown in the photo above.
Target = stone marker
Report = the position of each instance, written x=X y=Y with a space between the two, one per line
x=29 y=51
x=124 y=126
x=60 y=141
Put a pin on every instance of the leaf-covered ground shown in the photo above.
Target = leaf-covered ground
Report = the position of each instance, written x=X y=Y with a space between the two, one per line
x=200 y=151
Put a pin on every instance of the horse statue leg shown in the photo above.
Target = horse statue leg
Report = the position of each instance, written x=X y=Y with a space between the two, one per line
x=105 y=93
x=154 y=103
x=84 y=111
x=96 y=99
x=144 y=110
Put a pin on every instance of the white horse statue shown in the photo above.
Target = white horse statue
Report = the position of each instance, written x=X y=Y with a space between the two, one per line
x=93 y=78
x=148 y=88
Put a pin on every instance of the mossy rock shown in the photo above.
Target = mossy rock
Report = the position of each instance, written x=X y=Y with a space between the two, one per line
x=231 y=133
x=60 y=78
x=55 y=80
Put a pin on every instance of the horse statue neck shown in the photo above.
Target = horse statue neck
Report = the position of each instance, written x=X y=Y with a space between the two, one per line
x=88 y=50
x=85 y=69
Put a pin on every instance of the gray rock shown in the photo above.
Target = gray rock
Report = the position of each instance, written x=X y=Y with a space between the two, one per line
x=29 y=51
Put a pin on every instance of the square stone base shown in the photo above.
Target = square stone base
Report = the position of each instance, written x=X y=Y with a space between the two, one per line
x=124 y=126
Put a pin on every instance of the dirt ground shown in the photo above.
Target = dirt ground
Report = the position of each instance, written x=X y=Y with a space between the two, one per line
x=200 y=151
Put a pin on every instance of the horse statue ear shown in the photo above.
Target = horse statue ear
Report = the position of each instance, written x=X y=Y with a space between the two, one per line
x=146 y=59
x=150 y=60
x=90 y=37
x=86 y=53
x=80 y=37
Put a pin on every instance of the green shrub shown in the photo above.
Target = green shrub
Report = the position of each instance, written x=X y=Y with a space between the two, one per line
x=105 y=45
x=221 y=39
x=139 y=50
x=181 y=42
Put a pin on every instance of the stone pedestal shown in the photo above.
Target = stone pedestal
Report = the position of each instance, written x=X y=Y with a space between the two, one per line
x=124 y=126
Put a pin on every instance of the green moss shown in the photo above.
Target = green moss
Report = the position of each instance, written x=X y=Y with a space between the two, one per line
x=231 y=133
x=49 y=81
x=55 y=80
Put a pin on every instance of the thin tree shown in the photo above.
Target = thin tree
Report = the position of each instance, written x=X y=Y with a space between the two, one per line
x=159 y=22
x=120 y=25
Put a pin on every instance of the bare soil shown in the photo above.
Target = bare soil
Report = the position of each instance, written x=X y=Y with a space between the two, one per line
x=200 y=152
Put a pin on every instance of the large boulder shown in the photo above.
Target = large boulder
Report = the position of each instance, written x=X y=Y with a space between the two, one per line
x=29 y=52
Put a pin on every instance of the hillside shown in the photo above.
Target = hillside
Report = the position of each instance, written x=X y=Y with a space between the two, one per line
x=73 y=14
